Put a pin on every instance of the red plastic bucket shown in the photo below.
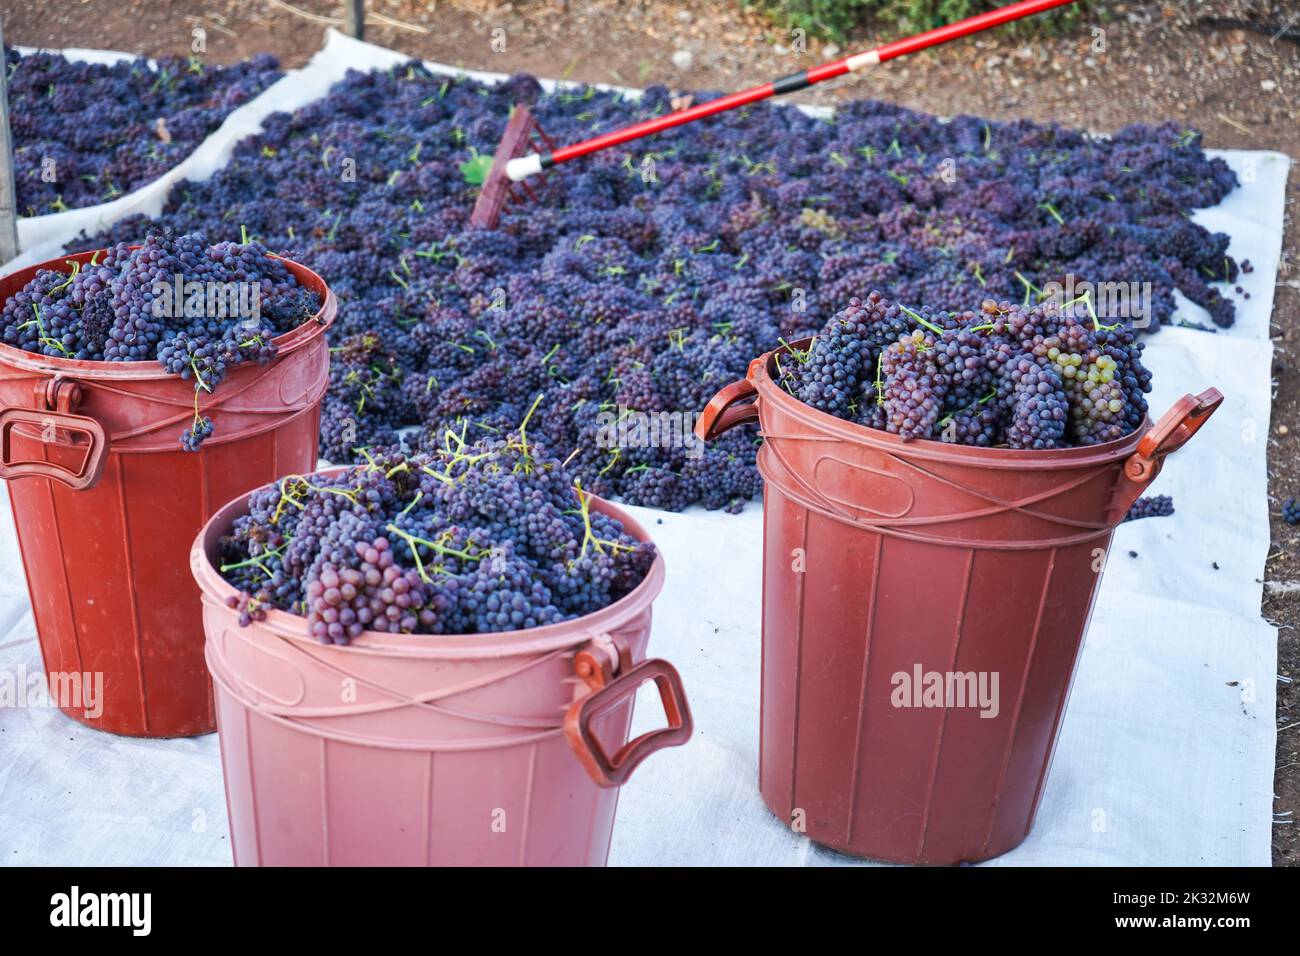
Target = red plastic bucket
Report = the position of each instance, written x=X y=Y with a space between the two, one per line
x=106 y=503
x=408 y=750
x=896 y=578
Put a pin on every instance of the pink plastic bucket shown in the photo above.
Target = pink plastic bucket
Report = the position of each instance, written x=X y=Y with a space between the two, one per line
x=409 y=750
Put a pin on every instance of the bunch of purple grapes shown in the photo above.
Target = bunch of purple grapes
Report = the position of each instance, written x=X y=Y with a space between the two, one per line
x=195 y=308
x=646 y=278
x=1150 y=506
x=1291 y=511
x=1047 y=376
x=86 y=133
x=471 y=537
x=197 y=433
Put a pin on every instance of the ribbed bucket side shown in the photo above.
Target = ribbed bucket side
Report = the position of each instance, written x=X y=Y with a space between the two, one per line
x=300 y=794
x=413 y=749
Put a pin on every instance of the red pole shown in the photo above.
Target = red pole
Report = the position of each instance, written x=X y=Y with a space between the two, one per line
x=788 y=84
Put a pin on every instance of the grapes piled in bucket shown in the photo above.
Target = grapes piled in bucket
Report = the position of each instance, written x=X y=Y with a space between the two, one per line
x=473 y=537
x=195 y=308
x=1028 y=377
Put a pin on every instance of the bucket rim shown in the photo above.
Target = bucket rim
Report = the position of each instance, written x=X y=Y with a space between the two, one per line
x=91 y=370
x=216 y=589
x=760 y=373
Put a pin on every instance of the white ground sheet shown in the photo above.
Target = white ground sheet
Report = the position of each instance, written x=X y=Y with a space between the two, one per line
x=1166 y=752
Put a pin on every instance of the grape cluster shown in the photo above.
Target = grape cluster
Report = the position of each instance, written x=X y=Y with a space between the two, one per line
x=1039 y=409
x=470 y=537
x=86 y=133
x=646 y=278
x=197 y=433
x=1291 y=511
x=375 y=594
x=1150 y=506
x=1047 y=376
x=197 y=309
x=249 y=607
x=913 y=386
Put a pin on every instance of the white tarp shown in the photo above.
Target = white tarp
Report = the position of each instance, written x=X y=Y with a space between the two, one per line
x=1166 y=753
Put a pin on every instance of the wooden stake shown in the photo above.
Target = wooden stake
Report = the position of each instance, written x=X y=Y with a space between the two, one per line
x=354 y=18
x=8 y=197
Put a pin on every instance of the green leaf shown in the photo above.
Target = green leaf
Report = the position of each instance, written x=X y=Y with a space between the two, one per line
x=476 y=168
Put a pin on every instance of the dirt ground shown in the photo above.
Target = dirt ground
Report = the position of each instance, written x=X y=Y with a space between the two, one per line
x=1123 y=62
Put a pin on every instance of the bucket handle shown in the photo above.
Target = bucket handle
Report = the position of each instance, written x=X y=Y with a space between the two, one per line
x=607 y=693
x=1172 y=432
x=724 y=411
x=91 y=465
x=1174 y=429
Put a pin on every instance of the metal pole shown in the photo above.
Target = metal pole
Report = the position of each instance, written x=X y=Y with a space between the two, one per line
x=8 y=198
x=354 y=18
